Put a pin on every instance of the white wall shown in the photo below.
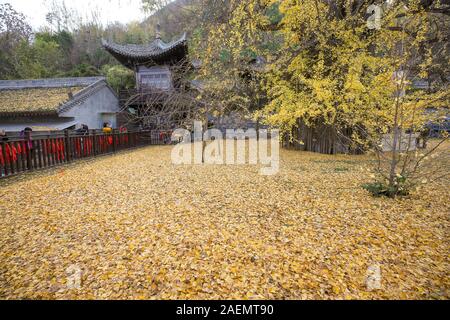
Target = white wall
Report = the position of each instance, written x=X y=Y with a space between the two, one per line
x=406 y=143
x=92 y=111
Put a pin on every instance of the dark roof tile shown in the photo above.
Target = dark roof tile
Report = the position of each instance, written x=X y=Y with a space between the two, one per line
x=154 y=50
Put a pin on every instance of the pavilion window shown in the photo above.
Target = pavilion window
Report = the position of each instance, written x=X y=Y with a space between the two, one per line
x=155 y=80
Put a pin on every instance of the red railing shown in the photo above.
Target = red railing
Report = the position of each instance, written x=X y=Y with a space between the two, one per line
x=37 y=151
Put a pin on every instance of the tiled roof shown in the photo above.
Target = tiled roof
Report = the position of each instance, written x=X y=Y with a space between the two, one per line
x=82 y=95
x=154 y=50
x=48 y=83
x=35 y=99
x=47 y=95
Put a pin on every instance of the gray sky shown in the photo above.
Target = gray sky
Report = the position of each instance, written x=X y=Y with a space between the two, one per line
x=110 y=10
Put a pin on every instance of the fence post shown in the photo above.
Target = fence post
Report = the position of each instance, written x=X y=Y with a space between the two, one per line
x=29 y=149
x=113 y=132
x=67 y=145
x=94 y=143
x=39 y=151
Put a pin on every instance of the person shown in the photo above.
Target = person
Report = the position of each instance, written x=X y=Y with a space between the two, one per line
x=3 y=136
x=123 y=135
x=26 y=135
x=106 y=128
x=83 y=130
x=81 y=144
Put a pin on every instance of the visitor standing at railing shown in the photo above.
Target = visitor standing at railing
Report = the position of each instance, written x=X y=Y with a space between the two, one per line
x=123 y=135
x=83 y=131
x=26 y=135
x=28 y=147
x=107 y=130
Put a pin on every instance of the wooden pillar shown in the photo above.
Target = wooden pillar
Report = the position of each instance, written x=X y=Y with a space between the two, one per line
x=22 y=157
x=49 y=151
x=39 y=152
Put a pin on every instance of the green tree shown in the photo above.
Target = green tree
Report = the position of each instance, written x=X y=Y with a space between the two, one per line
x=119 y=77
x=40 y=59
x=235 y=40
x=14 y=30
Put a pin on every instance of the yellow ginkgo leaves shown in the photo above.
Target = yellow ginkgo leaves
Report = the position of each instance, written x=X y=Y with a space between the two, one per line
x=133 y=226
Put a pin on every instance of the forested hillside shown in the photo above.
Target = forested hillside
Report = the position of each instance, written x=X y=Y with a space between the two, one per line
x=72 y=48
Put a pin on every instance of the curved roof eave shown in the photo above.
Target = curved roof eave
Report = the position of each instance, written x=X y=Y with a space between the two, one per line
x=155 y=50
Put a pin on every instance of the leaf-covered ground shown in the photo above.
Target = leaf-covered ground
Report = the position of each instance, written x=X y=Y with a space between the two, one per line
x=140 y=227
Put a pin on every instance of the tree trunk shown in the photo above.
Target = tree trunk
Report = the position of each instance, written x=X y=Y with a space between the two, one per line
x=394 y=147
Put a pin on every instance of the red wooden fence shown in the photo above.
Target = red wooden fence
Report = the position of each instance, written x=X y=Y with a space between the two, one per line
x=44 y=151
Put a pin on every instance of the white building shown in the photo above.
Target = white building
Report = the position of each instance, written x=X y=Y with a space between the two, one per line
x=57 y=104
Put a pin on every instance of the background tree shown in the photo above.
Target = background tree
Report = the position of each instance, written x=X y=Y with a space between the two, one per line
x=13 y=31
x=62 y=18
x=232 y=46
x=40 y=59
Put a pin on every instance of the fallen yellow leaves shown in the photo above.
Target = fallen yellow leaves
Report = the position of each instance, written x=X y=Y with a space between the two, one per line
x=37 y=99
x=138 y=227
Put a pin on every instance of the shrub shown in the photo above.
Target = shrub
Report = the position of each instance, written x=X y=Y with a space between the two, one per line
x=401 y=187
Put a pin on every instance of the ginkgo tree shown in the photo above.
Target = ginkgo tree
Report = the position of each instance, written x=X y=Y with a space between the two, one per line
x=340 y=70
x=344 y=67
x=233 y=50
x=419 y=56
